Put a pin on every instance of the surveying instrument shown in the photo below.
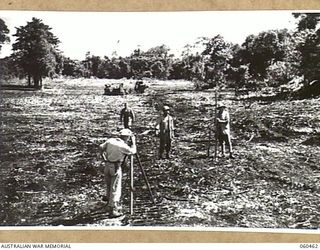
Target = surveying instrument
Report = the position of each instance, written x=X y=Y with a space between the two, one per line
x=131 y=178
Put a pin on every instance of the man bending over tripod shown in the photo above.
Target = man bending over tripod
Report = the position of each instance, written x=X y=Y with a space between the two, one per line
x=113 y=151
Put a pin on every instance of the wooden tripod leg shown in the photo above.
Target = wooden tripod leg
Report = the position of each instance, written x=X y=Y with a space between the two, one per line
x=209 y=144
x=124 y=161
x=145 y=178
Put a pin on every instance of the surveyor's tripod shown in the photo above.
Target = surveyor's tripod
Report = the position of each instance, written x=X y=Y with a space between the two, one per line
x=131 y=180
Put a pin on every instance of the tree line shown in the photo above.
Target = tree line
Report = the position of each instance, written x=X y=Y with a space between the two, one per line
x=270 y=58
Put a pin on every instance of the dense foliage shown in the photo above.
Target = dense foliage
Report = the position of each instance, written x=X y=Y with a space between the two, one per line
x=271 y=58
x=4 y=31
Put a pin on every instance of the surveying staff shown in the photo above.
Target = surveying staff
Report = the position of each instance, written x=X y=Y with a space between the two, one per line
x=223 y=129
x=113 y=152
x=165 y=130
x=127 y=116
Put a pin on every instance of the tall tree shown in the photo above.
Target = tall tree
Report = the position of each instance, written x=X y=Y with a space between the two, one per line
x=4 y=31
x=177 y=70
x=36 y=48
x=238 y=72
x=92 y=64
x=160 y=61
x=307 y=20
x=191 y=65
x=155 y=62
x=307 y=39
x=261 y=51
x=217 y=54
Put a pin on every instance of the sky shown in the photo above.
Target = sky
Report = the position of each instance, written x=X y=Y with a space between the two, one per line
x=103 y=33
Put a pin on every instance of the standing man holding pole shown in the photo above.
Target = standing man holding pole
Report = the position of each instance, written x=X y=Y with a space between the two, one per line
x=165 y=130
x=113 y=151
x=216 y=123
x=127 y=116
x=223 y=129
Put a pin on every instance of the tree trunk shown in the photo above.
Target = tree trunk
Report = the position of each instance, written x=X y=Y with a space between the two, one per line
x=36 y=81
x=29 y=80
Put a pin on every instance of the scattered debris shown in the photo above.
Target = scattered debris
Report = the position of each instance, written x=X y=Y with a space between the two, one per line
x=53 y=176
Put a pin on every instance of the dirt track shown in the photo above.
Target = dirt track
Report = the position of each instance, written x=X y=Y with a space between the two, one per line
x=50 y=174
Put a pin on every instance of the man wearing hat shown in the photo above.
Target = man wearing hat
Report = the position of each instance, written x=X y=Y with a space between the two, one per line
x=127 y=116
x=165 y=130
x=223 y=129
x=113 y=152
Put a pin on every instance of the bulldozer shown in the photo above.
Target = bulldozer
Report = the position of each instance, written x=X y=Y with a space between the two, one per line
x=140 y=87
x=120 y=90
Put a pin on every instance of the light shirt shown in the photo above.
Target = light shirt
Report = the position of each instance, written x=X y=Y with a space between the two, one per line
x=114 y=149
x=224 y=126
x=166 y=126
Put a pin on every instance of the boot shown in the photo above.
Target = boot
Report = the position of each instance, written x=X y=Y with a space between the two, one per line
x=115 y=213
x=116 y=210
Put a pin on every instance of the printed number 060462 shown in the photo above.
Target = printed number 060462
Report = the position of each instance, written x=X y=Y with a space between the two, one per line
x=309 y=246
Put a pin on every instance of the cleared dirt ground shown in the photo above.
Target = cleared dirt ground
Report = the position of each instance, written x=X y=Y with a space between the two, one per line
x=50 y=173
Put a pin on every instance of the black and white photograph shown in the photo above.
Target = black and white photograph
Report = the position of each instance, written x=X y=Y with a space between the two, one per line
x=191 y=119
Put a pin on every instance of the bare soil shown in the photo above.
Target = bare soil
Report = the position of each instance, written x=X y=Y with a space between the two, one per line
x=51 y=176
